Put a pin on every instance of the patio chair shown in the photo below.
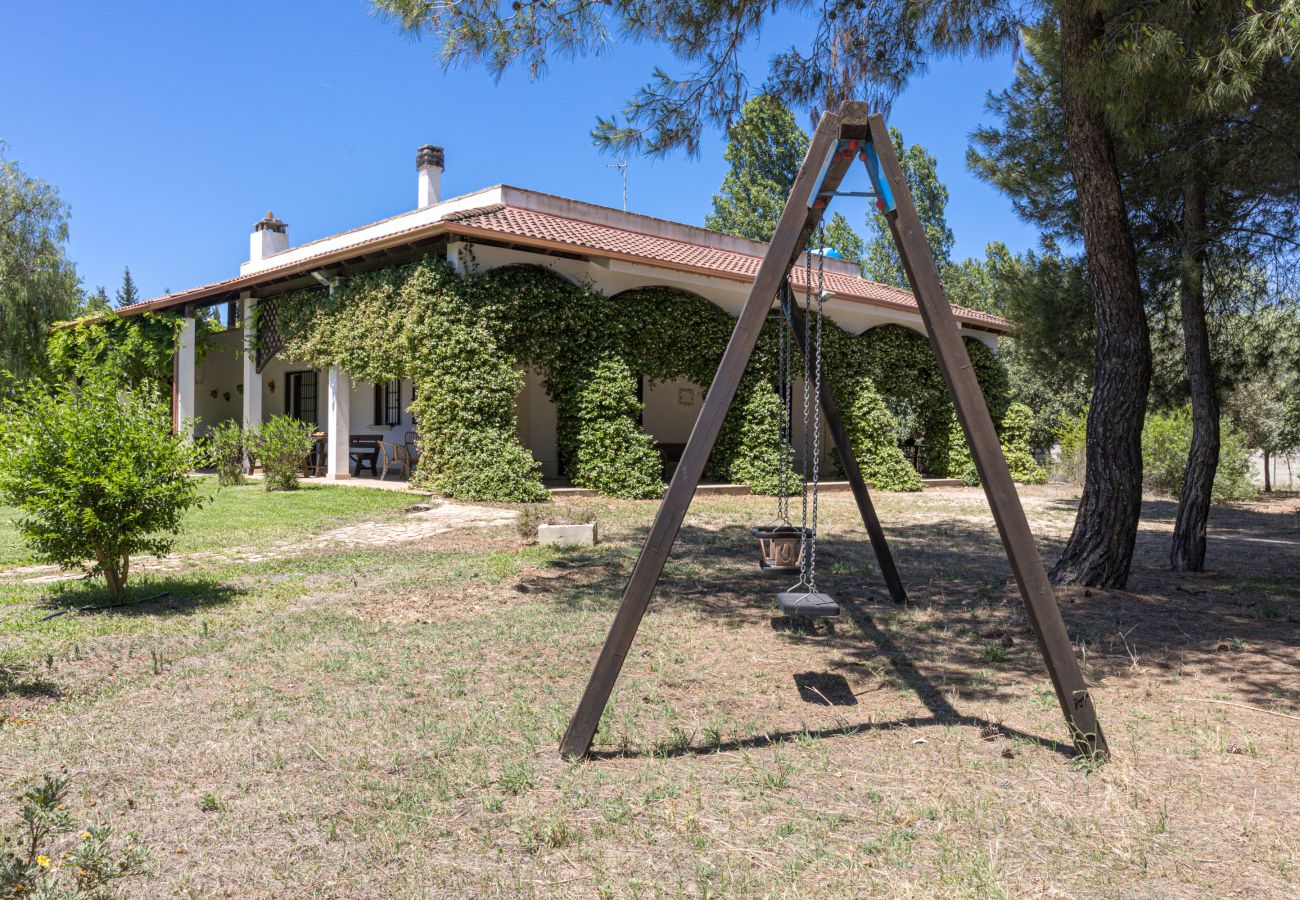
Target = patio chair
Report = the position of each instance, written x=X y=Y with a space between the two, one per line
x=391 y=454
x=412 y=448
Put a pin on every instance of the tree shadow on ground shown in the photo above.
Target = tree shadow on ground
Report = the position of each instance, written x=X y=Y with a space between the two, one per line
x=148 y=595
x=25 y=683
x=1237 y=627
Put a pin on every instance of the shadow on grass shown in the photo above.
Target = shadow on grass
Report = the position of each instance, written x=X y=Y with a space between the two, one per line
x=1238 y=625
x=22 y=681
x=150 y=595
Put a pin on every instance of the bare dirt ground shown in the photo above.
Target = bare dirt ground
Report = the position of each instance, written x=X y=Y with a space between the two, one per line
x=379 y=720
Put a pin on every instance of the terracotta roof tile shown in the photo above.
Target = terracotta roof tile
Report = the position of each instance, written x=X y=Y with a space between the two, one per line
x=596 y=239
x=549 y=227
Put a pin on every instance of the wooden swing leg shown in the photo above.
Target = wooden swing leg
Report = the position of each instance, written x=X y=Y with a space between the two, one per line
x=849 y=460
x=986 y=451
x=798 y=219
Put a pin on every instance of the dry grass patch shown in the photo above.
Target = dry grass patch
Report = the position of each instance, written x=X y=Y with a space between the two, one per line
x=383 y=721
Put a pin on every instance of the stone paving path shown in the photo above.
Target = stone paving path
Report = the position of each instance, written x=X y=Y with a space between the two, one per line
x=415 y=526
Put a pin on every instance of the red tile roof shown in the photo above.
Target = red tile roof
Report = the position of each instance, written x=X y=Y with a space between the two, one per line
x=551 y=231
x=708 y=260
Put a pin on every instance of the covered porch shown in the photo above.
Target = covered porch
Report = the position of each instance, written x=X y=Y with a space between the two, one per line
x=365 y=431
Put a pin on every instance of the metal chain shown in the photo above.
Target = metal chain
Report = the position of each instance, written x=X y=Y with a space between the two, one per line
x=817 y=428
x=785 y=448
x=803 y=443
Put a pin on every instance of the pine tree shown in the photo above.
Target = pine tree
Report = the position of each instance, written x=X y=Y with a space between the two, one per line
x=765 y=147
x=931 y=198
x=96 y=303
x=127 y=293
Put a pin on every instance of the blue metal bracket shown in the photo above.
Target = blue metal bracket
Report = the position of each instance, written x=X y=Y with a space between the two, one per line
x=880 y=187
x=878 y=181
x=821 y=174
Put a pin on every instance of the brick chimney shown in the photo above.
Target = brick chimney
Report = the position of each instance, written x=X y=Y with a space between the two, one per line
x=429 y=163
x=269 y=236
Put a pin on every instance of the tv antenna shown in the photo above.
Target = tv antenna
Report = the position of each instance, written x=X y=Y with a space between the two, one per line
x=621 y=165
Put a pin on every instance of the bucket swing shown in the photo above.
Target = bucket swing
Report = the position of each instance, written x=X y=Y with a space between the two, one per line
x=780 y=542
x=802 y=600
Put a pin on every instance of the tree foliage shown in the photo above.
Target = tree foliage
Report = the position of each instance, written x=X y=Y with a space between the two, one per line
x=765 y=147
x=137 y=349
x=38 y=285
x=920 y=169
x=96 y=472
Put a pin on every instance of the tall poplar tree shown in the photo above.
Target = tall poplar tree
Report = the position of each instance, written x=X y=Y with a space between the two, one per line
x=38 y=285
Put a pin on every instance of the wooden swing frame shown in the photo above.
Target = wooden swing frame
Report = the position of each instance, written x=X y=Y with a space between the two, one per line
x=842 y=137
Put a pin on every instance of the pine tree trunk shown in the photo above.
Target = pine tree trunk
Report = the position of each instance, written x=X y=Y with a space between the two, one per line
x=1100 y=549
x=1187 y=554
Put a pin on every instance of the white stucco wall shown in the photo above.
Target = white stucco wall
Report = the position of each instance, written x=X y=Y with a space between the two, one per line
x=671 y=408
x=219 y=374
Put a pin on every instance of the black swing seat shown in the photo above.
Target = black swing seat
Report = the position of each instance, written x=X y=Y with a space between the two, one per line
x=803 y=603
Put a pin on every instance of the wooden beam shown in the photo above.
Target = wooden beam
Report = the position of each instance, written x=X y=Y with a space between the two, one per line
x=849 y=460
x=797 y=221
x=986 y=451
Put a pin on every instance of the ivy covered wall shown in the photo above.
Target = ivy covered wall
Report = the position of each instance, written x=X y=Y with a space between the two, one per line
x=464 y=340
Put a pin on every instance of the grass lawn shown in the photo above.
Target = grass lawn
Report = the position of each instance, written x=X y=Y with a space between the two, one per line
x=246 y=515
x=382 y=720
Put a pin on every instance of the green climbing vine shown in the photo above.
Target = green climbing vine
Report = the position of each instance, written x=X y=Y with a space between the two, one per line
x=138 y=349
x=464 y=341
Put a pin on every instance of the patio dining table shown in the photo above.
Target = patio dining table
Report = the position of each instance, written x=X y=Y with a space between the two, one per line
x=363 y=453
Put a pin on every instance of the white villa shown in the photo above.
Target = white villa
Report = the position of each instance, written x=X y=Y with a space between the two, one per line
x=608 y=248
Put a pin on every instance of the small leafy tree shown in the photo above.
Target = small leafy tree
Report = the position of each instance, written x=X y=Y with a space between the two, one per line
x=282 y=444
x=97 y=473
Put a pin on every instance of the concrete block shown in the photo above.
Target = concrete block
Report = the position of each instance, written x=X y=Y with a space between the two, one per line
x=567 y=535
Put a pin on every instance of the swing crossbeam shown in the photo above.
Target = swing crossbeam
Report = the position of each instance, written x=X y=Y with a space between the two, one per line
x=840 y=139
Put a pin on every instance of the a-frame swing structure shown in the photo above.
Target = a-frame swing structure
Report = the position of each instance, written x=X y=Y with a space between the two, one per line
x=840 y=139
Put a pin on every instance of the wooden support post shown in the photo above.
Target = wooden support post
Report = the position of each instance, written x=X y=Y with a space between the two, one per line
x=797 y=221
x=849 y=460
x=986 y=451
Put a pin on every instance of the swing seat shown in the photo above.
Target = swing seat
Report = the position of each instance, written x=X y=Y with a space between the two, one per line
x=780 y=548
x=807 y=603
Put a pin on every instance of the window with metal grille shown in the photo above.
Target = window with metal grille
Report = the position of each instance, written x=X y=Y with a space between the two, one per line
x=300 y=397
x=388 y=403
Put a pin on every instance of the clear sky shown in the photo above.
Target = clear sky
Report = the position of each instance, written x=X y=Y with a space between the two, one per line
x=170 y=128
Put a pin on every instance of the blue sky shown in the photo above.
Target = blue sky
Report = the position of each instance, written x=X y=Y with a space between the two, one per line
x=170 y=133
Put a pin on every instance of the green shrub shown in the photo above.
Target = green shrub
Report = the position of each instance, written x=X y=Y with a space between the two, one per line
x=97 y=474
x=38 y=862
x=612 y=454
x=1013 y=436
x=873 y=432
x=227 y=450
x=960 y=464
x=281 y=445
x=1072 y=446
x=746 y=450
x=1017 y=425
x=1166 y=443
